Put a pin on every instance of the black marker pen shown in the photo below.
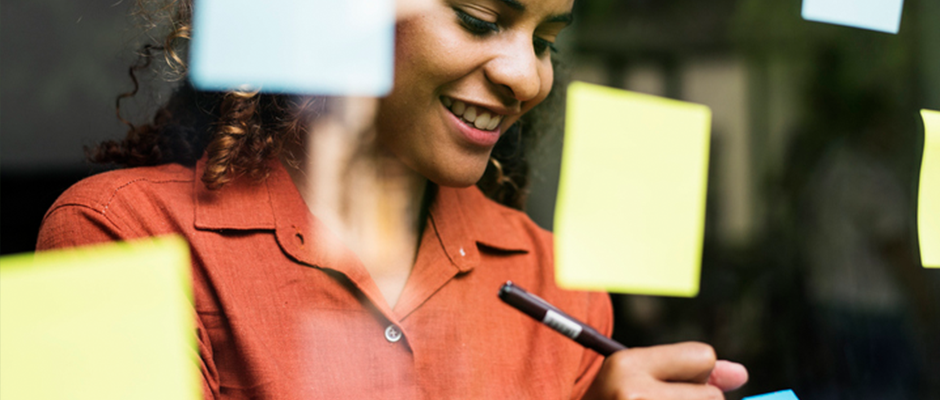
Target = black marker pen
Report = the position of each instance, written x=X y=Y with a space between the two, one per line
x=548 y=314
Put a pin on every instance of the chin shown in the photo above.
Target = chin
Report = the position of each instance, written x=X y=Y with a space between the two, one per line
x=455 y=175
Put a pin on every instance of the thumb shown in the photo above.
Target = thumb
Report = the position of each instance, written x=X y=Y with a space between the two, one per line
x=728 y=375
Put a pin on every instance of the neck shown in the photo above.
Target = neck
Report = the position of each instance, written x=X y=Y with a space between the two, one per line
x=366 y=196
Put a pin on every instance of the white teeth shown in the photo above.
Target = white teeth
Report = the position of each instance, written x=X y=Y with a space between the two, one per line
x=480 y=118
x=483 y=120
x=458 y=108
x=494 y=123
x=471 y=114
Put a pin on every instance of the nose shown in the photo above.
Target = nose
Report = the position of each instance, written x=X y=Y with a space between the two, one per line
x=516 y=69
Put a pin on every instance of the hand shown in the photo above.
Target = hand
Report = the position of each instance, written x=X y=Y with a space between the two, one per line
x=687 y=371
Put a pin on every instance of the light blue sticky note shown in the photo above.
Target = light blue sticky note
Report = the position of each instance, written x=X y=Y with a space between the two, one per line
x=324 y=47
x=877 y=15
x=781 y=395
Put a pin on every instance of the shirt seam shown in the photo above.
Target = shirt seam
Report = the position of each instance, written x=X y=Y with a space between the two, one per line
x=102 y=210
x=117 y=228
x=114 y=193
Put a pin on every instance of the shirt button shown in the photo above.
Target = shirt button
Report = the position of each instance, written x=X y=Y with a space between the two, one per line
x=392 y=334
x=462 y=253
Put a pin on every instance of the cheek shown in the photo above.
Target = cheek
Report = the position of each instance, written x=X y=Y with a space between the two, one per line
x=407 y=53
x=426 y=51
x=409 y=95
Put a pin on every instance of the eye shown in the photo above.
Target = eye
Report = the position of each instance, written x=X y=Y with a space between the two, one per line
x=475 y=25
x=541 y=45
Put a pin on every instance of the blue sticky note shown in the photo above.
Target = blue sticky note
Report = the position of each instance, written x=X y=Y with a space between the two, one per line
x=781 y=395
x=323 y=47
x=877 y=15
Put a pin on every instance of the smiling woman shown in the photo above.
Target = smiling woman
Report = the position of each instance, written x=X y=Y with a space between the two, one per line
x=288 y=301
x=467 y=71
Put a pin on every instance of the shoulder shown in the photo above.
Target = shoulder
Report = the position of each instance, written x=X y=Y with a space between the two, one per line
x=518 y=218
x=117 y=205
x=98 y=192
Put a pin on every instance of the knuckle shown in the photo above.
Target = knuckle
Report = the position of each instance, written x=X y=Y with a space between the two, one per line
x=703 y=352
x=621 y=359
x=632 y=395
x=633 y=389
x=713 y=393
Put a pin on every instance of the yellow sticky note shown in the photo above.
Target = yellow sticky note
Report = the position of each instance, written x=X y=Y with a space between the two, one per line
x=108 y=321
x=928 y=198
x=630 y=214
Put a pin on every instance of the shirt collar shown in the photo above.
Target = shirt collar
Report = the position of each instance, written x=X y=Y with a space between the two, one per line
x=463 y=218
x=274 y=204
x=242 y=204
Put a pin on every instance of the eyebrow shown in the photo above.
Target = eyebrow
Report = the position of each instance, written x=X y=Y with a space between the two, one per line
x=514 y=4
x=565 y=18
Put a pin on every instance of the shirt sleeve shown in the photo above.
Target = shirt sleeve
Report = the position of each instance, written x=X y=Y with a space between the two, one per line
x=76 y=225
x=601 y=318
x=79 y=225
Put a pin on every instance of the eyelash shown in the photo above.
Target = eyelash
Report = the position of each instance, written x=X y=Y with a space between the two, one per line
x=541 y=45
x=475 y=25
x=480 y=27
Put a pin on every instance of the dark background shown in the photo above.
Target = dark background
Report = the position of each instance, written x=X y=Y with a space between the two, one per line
x=816 y=139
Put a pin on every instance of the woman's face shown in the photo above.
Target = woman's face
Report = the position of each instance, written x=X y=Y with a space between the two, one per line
x=465 y=71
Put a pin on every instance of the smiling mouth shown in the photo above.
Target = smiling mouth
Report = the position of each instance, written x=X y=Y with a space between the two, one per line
x=477 y=117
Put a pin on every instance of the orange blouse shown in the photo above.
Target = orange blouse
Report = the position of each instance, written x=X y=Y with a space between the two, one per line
x=287 y=312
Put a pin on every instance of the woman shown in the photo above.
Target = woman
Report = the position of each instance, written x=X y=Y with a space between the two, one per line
x=294 y=295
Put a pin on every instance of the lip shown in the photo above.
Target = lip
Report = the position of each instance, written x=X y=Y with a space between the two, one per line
x=471 y=134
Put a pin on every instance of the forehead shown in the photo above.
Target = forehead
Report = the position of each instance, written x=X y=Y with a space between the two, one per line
x=539 y=7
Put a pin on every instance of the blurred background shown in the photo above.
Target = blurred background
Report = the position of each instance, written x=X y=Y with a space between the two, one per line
x=811 y=275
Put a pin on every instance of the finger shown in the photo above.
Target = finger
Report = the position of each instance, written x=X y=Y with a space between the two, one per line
x=682 y=391
x=728 y=375
x=680 y=362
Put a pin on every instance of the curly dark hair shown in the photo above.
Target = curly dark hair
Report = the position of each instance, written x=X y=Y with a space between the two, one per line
x=240 y=131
